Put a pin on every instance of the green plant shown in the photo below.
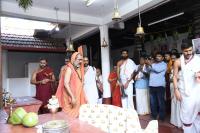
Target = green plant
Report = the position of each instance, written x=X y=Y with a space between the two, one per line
x=25 y=3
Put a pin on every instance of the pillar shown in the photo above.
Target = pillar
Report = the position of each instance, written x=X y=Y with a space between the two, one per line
x=1 y=87
x=105 y=64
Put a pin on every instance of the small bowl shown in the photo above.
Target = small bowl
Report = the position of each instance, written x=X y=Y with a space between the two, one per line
x=56 y=126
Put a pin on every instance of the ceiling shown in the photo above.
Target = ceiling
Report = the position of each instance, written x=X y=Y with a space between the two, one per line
x=126 y=37
x=78 y=6
x=84 y=19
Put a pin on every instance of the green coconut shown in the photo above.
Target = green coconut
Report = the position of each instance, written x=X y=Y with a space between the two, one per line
x=30 y=119
x=17 y=116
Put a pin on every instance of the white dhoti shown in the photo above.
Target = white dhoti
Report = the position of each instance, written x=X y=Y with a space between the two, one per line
x=175 y=109
x=190 y=107
x=126 y=70
x=127 y=102
x=90 y=87
x=142 y=101
x=190 y=93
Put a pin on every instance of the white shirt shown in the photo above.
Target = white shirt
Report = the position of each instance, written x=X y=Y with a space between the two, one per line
x=90 y=86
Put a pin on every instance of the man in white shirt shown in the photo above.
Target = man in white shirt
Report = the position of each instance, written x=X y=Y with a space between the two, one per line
x=90 y=86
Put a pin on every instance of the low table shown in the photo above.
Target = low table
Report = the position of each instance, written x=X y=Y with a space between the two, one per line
x=30 y=104
x=75 y=125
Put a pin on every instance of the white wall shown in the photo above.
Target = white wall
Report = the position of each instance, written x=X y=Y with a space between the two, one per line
x=31 y=68
x=17 y=64
x=19 y=87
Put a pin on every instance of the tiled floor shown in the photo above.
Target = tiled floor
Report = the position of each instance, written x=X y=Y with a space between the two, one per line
x=164 y=127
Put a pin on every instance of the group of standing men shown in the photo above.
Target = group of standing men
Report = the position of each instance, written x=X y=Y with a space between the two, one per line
x=78 y=84
x=151 y=74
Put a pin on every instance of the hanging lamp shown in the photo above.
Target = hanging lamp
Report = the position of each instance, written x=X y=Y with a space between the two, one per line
x=140 y=29
x=70 y=46
x=104 y=43
x=116 y=15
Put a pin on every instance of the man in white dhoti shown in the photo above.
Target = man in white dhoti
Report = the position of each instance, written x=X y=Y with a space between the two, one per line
x=142 y=88
x=90 y=86
x=175 y=104
x=187 y=88
x=126 y=70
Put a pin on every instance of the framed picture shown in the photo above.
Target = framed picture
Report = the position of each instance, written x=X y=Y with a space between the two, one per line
x=196 y=45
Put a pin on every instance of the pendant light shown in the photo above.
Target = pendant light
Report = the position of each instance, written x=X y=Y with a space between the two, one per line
x=116 y=15
x=70 y=46
x=140 y=29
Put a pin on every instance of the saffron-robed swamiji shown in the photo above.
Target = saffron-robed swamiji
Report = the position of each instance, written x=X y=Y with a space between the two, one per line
x=70 y=91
